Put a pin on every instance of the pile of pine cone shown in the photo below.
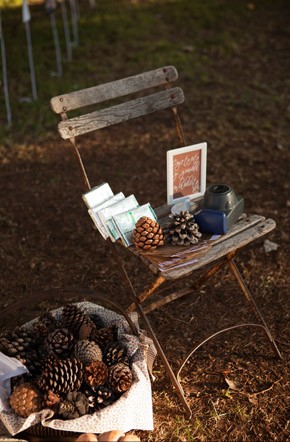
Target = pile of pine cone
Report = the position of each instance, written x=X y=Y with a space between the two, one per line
x=76 y=364
x=181 y=231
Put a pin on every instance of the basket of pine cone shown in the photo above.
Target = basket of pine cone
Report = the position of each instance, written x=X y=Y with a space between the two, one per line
x=85 y=374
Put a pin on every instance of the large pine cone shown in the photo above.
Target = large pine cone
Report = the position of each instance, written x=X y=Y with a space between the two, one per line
x=14 y=342
x=87 y=352
x=114 y=353
x=21 y=345
x=26 y=399
x=60 y=342
x=96 y=374
x=72 y=318
x=183 y=230
x=61 y=376
x=147 y=234
x=120 y=378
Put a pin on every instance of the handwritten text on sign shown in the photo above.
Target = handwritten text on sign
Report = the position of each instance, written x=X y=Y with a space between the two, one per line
x=186 y=173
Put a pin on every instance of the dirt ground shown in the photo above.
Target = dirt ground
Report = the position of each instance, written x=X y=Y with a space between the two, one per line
x=237 y=389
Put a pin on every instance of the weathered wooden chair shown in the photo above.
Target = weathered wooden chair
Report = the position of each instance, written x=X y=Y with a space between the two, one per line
x=222 y=251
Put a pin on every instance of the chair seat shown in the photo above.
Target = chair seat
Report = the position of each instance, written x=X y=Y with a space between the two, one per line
x=175 y=262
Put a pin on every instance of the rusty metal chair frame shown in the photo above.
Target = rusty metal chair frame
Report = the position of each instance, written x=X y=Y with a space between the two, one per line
x=219 y=256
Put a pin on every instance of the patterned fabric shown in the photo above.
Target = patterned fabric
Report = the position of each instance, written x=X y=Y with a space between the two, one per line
x=133 y=410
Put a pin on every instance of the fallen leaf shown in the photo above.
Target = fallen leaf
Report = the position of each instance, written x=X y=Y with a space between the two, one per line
x=231 y=384
x=253 y=399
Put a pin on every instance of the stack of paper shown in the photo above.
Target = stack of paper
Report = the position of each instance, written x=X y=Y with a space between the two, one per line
x=98 y=195
x=115 y=216
x=95 y=216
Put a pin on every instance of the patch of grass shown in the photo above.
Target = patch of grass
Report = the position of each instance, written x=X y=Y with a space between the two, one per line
x=242 y=412
x=10 y=3
x=117 y=38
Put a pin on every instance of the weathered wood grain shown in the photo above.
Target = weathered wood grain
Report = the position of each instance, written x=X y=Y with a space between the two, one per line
x=114 y=89
x=223 y=248
x=120 y=113
x=243 y=232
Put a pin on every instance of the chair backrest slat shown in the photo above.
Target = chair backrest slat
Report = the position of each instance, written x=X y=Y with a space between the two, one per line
x=114 y=89
x=89 y=122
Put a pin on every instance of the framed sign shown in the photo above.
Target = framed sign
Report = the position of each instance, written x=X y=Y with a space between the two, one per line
x=186 y=172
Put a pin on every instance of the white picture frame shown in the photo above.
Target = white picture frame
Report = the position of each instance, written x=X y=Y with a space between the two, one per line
x=186 y=172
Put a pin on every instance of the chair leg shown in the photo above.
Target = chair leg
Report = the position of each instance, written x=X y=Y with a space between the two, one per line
x=250 y=298
x=138 y=307
x=176 y=384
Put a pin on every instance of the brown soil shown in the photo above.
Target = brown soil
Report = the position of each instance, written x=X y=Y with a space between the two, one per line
x=48 y=241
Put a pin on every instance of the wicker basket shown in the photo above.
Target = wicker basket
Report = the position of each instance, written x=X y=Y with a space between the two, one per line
x=39 y=432
x=10 y=439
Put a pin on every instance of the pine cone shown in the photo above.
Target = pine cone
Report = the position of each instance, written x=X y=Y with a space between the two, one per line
x=51 y=399
x=31 y=359
x=114 y=353
x=67 y=410
x=74 y=405
x=104 y=396
x=86 y=330
x=96 y=374
x=72 y=318
x=16 y=341
x=44 y=325
x=90 y=393
x=183 y=231
x=81 y=402
x=21 y=345
x=104 y=336
x=147 y=234
x=120 y=378
x=26 y=399
x=61 y=376
x=60 y=342
x=87 y=352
